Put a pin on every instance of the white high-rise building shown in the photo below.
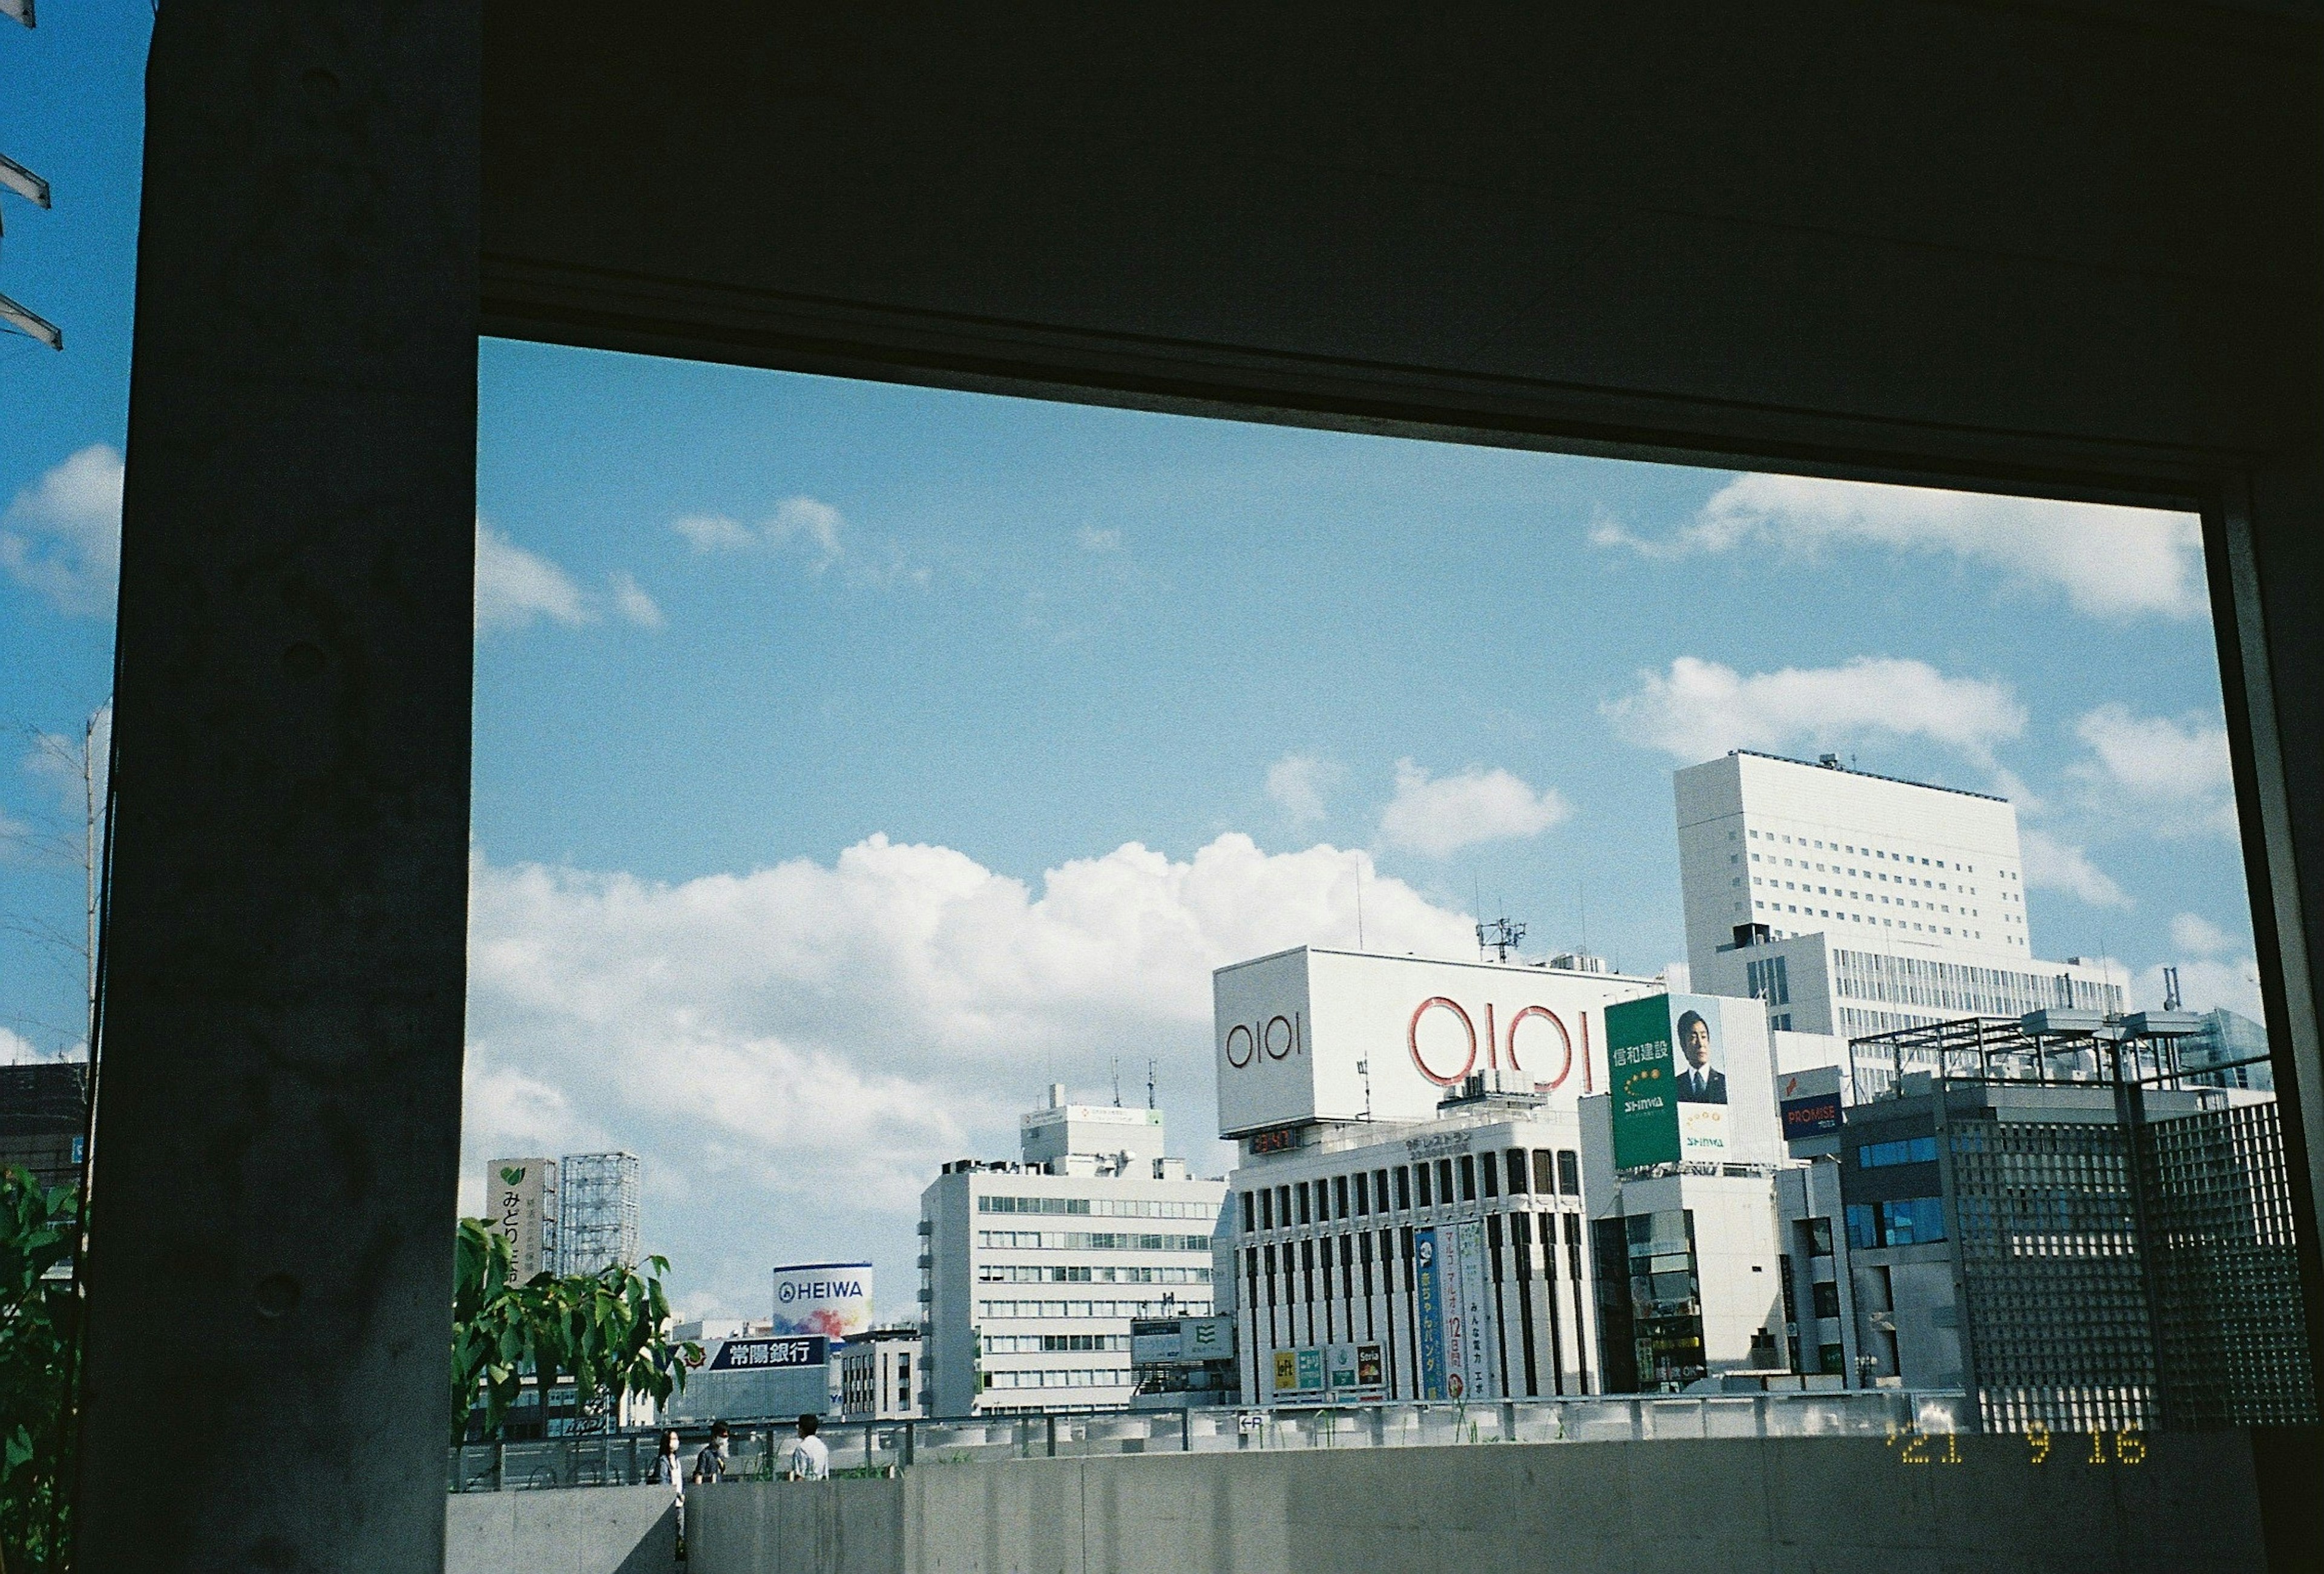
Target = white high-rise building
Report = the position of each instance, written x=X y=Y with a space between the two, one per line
x=1032 y=1269
x=1855 y=903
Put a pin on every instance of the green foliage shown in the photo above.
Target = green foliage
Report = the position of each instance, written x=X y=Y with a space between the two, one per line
x=607 y=1331
x=37 y=1317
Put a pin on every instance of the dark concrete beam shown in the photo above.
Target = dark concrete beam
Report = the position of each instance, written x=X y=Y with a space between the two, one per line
x=278 y=1105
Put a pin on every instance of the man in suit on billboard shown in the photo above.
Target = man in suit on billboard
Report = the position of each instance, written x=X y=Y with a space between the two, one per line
x=1699 y=1083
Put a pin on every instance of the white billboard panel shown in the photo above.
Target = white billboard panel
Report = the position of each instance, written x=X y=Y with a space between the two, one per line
x=832 y=1299
x=1312 y=1035
x=520 y=1200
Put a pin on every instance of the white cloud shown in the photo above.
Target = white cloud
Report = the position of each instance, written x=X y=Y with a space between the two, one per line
x=794 y=1051
x=805 y=519
x=1703 y=709
x=1442 y=814
x=2060 y=866
x=2193 y=933
x=1296 y=783
x=713 y=532
x=1094 y=539
x=2175 y=771
x=2109 y=561
x=513 y=587
x=632 y=603
x=61 y=535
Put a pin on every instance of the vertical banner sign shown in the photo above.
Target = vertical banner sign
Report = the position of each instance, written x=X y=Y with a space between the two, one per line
x=514 y=1193
x=1428 y=1275
x=1476 y=1322
x=1640 y=1077
x=1699 y=1076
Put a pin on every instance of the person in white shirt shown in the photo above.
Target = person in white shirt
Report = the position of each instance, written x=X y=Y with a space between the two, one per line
x=808 y=1458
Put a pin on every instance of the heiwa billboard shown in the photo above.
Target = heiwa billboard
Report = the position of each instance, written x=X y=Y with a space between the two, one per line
x=1690 y=1081
x=830 y=1299
x=1311 y=1035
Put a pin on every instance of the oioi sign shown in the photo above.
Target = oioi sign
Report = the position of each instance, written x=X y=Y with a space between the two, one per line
x=1312 y=1035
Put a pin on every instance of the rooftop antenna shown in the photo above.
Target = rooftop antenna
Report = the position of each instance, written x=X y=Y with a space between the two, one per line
x=1477 y=906
x=1360 y=901
x=1582 y=895
x=1117 y=1082
x=1501 y=937
x=1150 y=1083
x=2171 y=1001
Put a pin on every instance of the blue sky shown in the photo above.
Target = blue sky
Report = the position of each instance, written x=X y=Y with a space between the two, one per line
x=854 y=759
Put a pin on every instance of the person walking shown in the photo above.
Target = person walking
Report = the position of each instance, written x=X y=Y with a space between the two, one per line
x=669 y=1470
x=710 y=1464
x=808 y=1458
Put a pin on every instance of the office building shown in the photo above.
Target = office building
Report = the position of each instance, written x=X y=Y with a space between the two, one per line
x=44 y=1120
x=879 y=1374
x=2229 y=1051
x=1032 y=1269
x=2076 y=1252
x=750 y=1371
x=1855 y=903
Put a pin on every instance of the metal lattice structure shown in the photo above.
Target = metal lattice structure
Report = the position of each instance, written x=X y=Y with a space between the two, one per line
x=597 y=1211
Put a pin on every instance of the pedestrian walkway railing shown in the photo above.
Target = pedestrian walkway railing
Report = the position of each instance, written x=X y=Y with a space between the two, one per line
x=626 y=1458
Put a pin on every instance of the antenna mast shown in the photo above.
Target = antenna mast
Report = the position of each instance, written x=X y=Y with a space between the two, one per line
x=1150 y=1083
x=2171 y=989
x=1501 y=937
x=1117 y=1082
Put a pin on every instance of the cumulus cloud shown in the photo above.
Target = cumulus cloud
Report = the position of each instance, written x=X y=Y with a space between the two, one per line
x=61 y=535
x=2173 y=771
x=1094 y=539
x=2054 y=865
x=804 y=522
x=1701 y=709
x=713 y=532
x=794 y=1051
x=1442 y=814
x=2108 y=561
x=1296 y=783
x=633 y=603
x=2192 y=932
x=514 y=586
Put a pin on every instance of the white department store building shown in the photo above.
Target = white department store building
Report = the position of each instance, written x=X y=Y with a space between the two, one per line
x=1380 y=1242
x=1032 y=1270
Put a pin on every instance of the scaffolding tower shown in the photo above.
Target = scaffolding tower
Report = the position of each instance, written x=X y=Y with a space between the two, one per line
x=596 y=1211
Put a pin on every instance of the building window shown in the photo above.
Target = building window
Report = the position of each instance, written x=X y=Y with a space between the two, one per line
x=1249 y=1213
x=1340 y=1196
x=1492 y=1175
x=1544 y=1172
x=1422 y=1171
x=1307 y=1211
x=1516 y=1163
x=1404 y=1188
x=1468 y=1178
x=1283 y=1205
x=1862 y=1232
x=1363 y=1195
x=1569 y=1172
x=1266 y=1210
x=1912 y=1220
x=1379 y=1191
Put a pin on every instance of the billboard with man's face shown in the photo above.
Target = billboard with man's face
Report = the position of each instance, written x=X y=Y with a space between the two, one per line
x=1690 y=1081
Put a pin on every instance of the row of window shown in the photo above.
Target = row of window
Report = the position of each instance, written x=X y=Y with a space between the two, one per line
x=1079 y=1378
x=1045 y=1344
x=1810 y=888
x=1368 y=1192
x=1101 y=1308
x=1804 y=865
x=1881 y=853
x=1901 y=1221
x=1089 y=1241
x=1298 y=1262
x=1016 y=1274
x=1910 y=1150
x=1870 y=920
x=1098 y=1206
x=1988 y=991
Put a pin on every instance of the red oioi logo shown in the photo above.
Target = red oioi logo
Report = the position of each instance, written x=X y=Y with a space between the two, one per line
x=1279 y=1038
x=1500 y=1048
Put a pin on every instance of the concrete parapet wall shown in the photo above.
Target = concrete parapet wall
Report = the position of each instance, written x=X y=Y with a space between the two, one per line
x=2181 y=1503
x=602 y=1530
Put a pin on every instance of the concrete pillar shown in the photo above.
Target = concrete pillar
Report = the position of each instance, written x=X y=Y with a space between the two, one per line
x=278 y=1111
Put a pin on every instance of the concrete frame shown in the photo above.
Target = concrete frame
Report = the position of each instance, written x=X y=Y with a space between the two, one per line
x=2073 y=249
